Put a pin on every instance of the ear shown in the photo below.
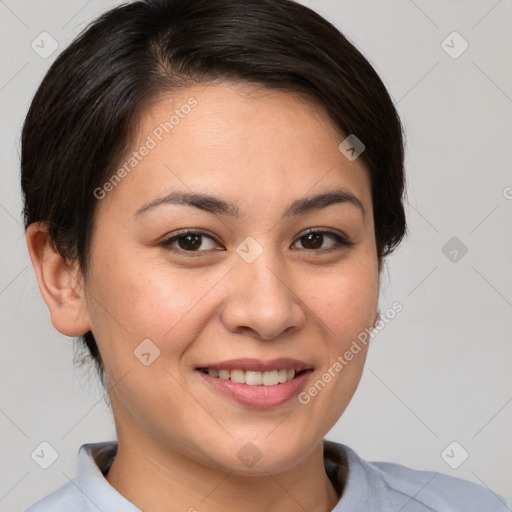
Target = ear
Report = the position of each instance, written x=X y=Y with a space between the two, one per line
x=60 y=282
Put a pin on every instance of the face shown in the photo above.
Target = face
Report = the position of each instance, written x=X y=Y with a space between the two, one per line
x=218 y=317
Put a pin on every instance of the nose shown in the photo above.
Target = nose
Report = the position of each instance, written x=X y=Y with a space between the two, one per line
x=261 y=300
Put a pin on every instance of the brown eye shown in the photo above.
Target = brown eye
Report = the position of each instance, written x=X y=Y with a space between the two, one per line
x=314 y=240
x=191 y=241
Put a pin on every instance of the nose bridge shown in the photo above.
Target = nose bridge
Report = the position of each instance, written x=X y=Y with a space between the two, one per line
x=265 y=279
x=266 y=276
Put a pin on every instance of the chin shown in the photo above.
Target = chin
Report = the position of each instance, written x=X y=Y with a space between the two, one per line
x=269 y=456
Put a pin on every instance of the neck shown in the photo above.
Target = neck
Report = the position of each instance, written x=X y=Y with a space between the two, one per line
x=158 y=480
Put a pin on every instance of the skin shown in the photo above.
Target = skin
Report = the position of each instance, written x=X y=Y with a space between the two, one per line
x=178 y=437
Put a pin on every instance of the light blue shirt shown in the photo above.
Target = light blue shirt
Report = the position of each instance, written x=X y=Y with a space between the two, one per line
x=367 y=486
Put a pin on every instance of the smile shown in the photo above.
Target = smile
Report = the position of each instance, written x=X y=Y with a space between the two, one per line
x=256 y=383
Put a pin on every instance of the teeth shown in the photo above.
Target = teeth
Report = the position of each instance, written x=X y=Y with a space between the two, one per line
x=252 y=378
x=223 y=374
x=281 y=376
x=271 y=378
x=237 y=376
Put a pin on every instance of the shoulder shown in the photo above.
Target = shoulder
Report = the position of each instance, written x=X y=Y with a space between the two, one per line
x=437 y=491
x=65 y=498
x=387 y=486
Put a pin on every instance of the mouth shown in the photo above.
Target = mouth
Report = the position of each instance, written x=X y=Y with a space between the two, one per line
x=255 y=383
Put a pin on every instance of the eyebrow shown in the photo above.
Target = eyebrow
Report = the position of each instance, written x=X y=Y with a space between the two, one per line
x=218 y=206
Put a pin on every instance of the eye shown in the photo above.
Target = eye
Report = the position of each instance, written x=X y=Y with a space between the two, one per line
x=314 y=240
x=189 y=241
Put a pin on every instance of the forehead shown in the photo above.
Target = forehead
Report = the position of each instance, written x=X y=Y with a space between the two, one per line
x=239 y=141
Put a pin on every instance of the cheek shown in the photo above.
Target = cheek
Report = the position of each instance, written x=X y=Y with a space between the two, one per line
x=345 y=310
x=129 y=306
x=347 y=302
x=146 y=325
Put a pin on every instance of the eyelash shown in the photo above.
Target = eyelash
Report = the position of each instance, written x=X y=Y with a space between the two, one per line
x=341 y=241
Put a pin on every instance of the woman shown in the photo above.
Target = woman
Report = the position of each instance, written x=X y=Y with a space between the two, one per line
x=211 y=188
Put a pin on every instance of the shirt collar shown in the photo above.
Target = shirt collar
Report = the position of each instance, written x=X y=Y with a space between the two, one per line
x=361 y=488
x=94 y=459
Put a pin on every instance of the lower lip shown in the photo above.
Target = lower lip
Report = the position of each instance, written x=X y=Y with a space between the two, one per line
x=258 y=397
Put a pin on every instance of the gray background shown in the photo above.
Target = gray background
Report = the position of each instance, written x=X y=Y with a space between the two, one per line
x=440 y=371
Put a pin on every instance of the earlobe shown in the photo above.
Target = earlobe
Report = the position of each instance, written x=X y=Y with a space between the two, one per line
x=59 y=282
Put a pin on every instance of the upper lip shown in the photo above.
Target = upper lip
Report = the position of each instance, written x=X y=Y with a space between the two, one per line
x=259 y=365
